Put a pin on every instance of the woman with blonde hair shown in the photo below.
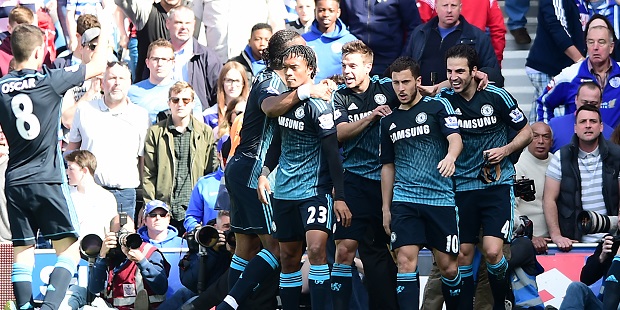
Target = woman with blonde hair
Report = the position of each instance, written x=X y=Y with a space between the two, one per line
x=231 y=84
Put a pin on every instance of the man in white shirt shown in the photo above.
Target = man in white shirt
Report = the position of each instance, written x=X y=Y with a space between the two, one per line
x=532 y=165
x=113 y=129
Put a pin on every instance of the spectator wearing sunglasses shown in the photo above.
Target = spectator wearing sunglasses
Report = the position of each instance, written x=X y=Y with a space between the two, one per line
x=178 y=151
x=157 y=229
x=113 y=129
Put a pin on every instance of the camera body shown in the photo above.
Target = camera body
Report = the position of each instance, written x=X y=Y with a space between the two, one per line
x=207 y=236
x=525 y=189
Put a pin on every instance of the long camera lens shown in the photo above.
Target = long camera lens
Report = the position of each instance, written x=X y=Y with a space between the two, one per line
x=591 y=222
x=207 y=236
x=130 y=240
x=91 y=245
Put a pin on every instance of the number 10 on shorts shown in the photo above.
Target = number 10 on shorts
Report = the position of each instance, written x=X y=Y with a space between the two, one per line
x=452 y=244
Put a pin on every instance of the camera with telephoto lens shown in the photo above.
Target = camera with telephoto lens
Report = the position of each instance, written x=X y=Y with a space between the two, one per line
x=207 y=236
x=91 y=243
x=591 y=222
x=525 y=189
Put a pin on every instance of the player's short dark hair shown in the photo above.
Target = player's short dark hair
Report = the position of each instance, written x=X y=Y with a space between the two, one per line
x=85 y=22
x=20 y=15
x=304 y=52
x=159 y=43
x=279 y=42
x=358 y=47
x=591 y=85
x=588 y=107
x=403 y=63
x=24 y=39
x=84 y=159
x=260 y=26
x=464 y=51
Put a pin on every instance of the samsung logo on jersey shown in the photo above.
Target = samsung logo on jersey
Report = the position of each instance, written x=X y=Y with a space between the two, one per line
x=18 y=85
x=290 y=123
x=477 y=123
x=410 y=132
x=357 y=117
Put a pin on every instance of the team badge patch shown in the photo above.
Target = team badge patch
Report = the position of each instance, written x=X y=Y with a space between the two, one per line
x=421 y=118
x=380 y=99
x=615 y=82
x=326 y=121
x=516 y=115
x=486 y=110
x=273 y=226
x=299 y=113
x=451 y=122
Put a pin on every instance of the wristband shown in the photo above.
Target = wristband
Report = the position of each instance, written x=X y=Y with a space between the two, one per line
x=265 y=171
x=303 y=92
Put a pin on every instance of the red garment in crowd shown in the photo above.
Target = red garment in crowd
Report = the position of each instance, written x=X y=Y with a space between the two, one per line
x=491 y=19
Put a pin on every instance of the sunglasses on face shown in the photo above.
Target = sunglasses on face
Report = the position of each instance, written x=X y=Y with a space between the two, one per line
x=176 y=100
x=120 y=63
x=155 y=214
x=91 y=46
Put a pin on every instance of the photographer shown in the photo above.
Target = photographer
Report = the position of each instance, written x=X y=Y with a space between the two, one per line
x=582 y=175
x=216 y=262
x=532 y=165
x=604 y=262
x=125 y=267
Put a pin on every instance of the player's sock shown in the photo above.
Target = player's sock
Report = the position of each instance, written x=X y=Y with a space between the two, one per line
x=610 y=295
x=59 y=281
x=498 y=282
x=318 y=280
x=341 y=283
x=237 y=266
x=290 y=289
x=408 y=290
x=451 y=291
x=468 y=287
x=21 y=277
x=257 y=269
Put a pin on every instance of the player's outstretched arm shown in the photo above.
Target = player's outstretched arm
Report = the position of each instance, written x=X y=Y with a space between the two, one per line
x=275 y=106
x=521 y=140
x=455 y=146
x=351 y=130
x=98 y=61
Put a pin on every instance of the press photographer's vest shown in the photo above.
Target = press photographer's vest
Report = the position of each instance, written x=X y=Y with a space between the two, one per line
x=124 y=285
x=569 y=200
